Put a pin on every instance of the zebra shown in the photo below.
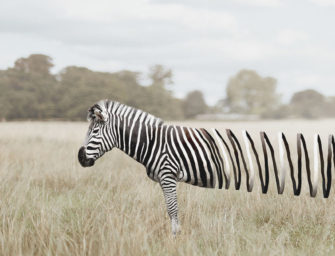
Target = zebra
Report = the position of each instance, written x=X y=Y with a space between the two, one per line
x=172 y=153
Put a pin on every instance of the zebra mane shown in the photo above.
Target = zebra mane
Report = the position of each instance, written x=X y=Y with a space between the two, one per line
x=121 y=110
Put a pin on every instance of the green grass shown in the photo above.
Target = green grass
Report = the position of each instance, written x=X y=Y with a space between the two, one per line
x=49 y=205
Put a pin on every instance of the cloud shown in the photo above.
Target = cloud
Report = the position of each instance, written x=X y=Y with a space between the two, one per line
x=262 y=3
x=219 y=3
x=89 y=23
x=291 y=37
x=324 y=2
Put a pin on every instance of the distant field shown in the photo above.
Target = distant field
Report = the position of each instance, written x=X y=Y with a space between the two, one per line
x=50 y=205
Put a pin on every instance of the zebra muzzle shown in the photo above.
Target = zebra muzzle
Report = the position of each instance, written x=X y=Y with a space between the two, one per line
x=83 y=160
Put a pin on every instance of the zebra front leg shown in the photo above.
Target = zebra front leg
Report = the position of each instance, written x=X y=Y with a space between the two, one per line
x=169 y=187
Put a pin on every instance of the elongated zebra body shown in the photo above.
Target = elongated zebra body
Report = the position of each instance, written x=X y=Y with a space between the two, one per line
x=199 y=157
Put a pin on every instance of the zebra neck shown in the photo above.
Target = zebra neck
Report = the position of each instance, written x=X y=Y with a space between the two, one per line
x=137 y=139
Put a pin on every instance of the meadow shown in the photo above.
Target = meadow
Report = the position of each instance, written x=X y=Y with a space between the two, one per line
x=50 y=205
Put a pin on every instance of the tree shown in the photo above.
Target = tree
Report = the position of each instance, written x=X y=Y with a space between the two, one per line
x=330 y=106
x=160 y=100
x=194 y=104
x=249 y=93
x=27 y=89
x=30 y=91
x=81 y=87
x=160 y=76
x=35 y=63
x=308 y=104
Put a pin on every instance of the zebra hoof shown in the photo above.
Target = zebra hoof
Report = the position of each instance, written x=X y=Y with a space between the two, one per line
x=175 y=228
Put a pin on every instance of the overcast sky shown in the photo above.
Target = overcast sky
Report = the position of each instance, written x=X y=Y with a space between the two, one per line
x=203 y=42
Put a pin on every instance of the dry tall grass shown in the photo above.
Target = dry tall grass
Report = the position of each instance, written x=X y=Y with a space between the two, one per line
x=49 y=205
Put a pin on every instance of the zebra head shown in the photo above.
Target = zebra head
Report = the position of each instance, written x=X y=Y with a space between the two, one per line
x=99 y=139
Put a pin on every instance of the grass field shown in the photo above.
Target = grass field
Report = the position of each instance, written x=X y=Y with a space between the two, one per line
x=50 y=205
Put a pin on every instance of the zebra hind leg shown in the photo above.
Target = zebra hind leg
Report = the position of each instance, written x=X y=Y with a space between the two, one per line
x=169 y=187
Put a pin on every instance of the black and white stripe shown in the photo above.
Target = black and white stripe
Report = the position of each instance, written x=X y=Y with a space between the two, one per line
x=199 y=157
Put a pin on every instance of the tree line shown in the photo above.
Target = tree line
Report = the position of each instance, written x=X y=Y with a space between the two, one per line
x=30 y=91
x=250 y=94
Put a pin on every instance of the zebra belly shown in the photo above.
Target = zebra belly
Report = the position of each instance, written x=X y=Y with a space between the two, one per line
x=195 y=170
x=198 y=179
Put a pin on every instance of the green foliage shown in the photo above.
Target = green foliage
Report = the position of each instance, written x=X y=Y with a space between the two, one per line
x=308 y=104
x=160 y=100
x=35 y=63
x=27 y=89
x=159 y=76
x=30 y=91
x=194 y=104
x=330 y=106
x=249 y=93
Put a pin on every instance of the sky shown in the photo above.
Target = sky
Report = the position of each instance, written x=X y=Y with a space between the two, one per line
x=205 y=43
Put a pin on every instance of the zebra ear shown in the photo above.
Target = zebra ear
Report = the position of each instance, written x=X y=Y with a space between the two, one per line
x=89 y=115
x=96 y=113
x=100 y=115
